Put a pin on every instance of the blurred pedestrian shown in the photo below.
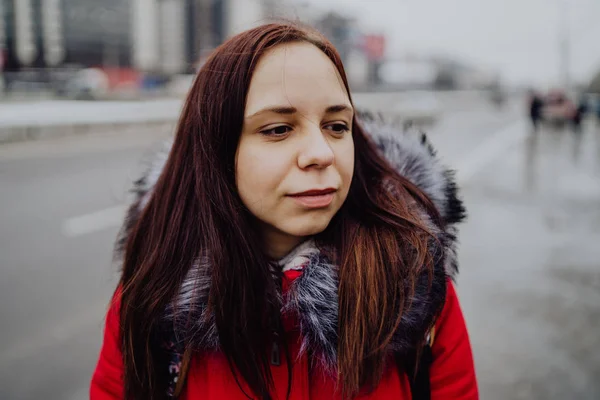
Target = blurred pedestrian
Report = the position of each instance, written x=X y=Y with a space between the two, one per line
x=536 y=105
x=283 y=248
x=580 y=112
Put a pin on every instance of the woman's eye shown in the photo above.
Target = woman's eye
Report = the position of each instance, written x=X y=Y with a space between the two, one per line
x=276 y=131
x=337 y=127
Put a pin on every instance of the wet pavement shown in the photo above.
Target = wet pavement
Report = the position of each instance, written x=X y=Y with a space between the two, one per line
x=529 y=286
x=530 y=254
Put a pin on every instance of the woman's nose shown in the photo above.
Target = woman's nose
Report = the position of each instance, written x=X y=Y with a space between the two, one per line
x=316 y=150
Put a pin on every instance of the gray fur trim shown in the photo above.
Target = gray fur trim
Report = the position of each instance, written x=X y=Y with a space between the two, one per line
x=191 y=304
x=412 y=156
x=313 y=297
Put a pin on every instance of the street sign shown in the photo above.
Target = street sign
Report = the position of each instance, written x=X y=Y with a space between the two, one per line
x=374 y=46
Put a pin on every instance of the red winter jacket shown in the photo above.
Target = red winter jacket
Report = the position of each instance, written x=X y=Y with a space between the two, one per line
x=452 y=372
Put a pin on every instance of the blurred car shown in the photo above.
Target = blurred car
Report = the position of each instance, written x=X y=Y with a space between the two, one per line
x=558 y=109
x=86 y=84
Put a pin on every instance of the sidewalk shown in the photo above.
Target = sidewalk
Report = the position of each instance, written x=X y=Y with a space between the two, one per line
x=49 y=118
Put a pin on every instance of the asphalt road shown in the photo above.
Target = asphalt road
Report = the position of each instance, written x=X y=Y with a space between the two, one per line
x=530 y=281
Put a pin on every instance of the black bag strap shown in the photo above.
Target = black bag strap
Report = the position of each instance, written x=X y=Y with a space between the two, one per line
x=420 y=386
x=416 y=365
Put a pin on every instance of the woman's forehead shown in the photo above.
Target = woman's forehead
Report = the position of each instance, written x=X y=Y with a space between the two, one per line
x=296 y=74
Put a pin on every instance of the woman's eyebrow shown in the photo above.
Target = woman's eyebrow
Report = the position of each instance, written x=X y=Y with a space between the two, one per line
x=276 y=110
x=338 y=108
x=292 y=110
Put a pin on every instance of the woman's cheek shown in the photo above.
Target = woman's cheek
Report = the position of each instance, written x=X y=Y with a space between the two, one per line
x=345 y=159
x=260 y=169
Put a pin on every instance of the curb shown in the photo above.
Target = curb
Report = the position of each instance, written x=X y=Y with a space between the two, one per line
x=15 y=134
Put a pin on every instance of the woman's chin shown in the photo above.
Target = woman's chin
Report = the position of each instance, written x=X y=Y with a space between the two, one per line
x=310 y=227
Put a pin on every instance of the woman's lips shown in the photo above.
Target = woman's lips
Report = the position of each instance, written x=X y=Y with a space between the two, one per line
x=314 y=198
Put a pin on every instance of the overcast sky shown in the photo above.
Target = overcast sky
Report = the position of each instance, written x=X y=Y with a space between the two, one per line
x=519 y=38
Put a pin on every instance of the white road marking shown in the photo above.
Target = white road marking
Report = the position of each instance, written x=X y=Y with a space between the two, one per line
x=489 y=151
x=61 y=332
x=94 y=222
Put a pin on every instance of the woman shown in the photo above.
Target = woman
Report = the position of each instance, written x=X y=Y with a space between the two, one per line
x=280 y=252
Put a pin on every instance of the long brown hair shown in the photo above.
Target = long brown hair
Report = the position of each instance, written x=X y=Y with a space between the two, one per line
x=195 y=210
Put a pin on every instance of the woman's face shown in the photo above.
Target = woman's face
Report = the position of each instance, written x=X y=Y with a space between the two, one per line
x=295 y=158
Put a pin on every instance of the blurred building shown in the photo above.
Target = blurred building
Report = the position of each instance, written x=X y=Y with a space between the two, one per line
x=174 y=36
x=411 y=71
x=162 y=36
x=157 y=39
x=51 y=33
x=169 y=36
x=452 y=74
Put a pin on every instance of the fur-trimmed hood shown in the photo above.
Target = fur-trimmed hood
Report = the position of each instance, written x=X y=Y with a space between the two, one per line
x=313 y=297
